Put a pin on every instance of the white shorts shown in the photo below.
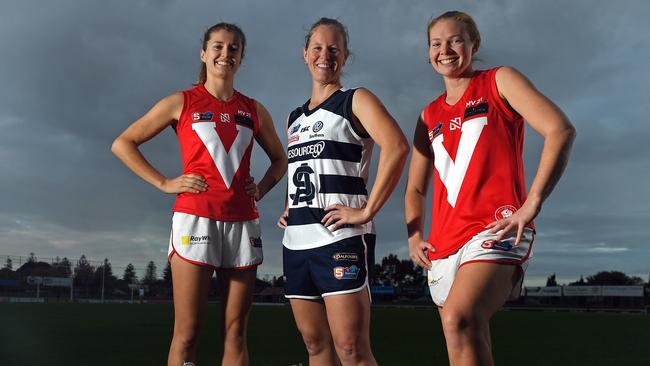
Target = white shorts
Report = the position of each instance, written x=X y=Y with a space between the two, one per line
x=481 y=248
x=217 y=244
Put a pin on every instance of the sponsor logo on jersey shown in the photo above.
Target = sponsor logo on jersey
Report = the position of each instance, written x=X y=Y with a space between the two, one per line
x=473 y=103
x=293 y=138
x=435 y=131
x=318 y=126
x=352 y=257
x=244 y=113
x=476 y=110
x=256 y=242
x=314 y=150
x=305 y=129
x=294 y=129
x=346 y=273
x=202 y=116
x=455 y=124
x=225 y=117
x=503 y=245
x=315 y=135
x=193 y=240
x=504 y=212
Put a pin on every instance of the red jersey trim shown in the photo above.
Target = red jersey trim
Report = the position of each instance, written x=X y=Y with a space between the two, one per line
x=203 y=264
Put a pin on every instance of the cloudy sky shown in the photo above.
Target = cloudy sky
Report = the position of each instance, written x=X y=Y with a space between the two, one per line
x=74 y=74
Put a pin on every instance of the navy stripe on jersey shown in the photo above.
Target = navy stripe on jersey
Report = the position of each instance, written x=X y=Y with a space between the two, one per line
x=473 y=111
x=244 y=121
x=325 y=149
x=341 y=184
x=305 y=216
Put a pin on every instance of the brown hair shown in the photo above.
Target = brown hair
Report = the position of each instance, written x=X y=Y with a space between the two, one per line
x=465 y=19
x=203 y=75
x=331 y=22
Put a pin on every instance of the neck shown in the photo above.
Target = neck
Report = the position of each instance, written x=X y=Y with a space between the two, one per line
x=221 y=89
x=320 y=92
x=456 y=86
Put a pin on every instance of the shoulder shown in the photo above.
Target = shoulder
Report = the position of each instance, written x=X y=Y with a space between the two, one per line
x=507 y=77
x=364 y=98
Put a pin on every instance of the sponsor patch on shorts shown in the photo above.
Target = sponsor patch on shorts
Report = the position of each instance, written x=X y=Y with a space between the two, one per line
x=503 y=245
x=346 y=273
x=351 y=257
x=194 y=239
x=256 y=242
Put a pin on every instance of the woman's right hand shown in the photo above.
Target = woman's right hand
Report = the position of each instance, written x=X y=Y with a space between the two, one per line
x=417 y=248
x=192 y=183
x=282 y=221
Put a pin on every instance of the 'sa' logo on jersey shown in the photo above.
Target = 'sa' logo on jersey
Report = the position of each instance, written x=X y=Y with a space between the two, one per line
x=452 y=173
x=202 y=116
x=227 y=162
x=305 y=189
x=225 y=117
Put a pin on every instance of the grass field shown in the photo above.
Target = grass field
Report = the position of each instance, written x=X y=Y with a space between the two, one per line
x=134 y=334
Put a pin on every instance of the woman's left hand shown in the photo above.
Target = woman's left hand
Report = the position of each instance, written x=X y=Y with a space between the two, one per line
x=516 y=222
x=339 y=215
x=251 y=188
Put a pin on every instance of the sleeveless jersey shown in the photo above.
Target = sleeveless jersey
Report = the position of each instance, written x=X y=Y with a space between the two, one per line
x=328 y=164
x=216 y=139
x=477 y=148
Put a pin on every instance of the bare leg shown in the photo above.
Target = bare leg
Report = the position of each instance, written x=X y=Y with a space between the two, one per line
x=190 y=286
x=349 y=319
x=236 y=288
x=311 y=320
x=478 y=291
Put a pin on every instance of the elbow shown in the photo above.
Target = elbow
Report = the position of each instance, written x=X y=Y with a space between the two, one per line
x=115 y=146
x=402 y=148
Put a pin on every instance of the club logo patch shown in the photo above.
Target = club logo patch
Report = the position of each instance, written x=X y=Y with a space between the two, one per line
x=435 y=131
x=294 y=129
x=225 y=117
x=202 y=116
x=503 y=245
x=346 y=273
x=504 y=212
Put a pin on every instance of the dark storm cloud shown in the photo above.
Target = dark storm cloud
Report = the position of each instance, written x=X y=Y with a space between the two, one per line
x=75 y=74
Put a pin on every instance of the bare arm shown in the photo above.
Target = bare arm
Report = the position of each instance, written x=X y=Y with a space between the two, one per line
x=383 y=129
x=125 y=147
x=270 y=143
x=416 y=191
x=558 y=133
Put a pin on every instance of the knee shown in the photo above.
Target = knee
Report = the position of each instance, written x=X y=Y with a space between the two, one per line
x=460 y=325
x=347 y=347
x=315 y=342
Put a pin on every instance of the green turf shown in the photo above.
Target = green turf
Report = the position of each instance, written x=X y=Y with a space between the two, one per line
x=122 y=334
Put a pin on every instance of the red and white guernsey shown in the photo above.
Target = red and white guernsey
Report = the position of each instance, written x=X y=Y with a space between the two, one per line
x=216 y=140
x=477 y=148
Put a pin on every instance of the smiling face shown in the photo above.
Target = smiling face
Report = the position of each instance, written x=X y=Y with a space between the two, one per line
x=325 y=54
x=451 y=48
x=222 y=54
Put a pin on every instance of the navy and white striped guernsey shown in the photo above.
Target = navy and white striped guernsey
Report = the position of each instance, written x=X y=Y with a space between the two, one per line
x=329 y=160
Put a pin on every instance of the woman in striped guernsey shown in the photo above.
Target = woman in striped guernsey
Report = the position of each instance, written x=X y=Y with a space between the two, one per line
x=329 y=235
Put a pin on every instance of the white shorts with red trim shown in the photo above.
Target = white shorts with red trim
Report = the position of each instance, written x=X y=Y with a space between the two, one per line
x=217 y=244
x=481 y=248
